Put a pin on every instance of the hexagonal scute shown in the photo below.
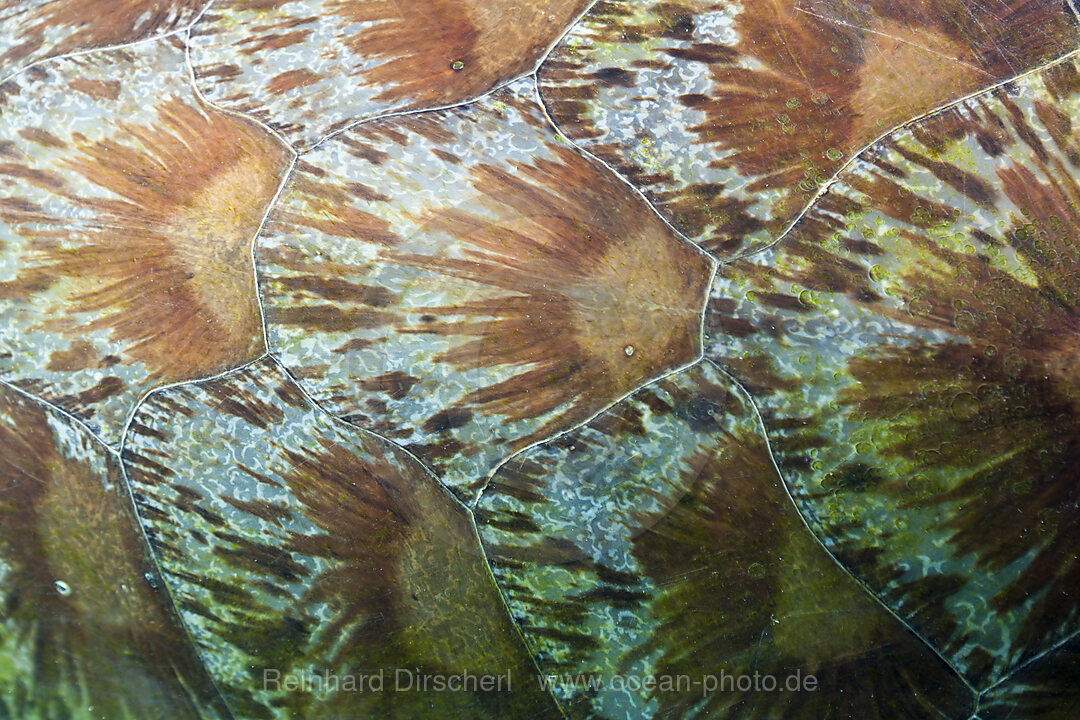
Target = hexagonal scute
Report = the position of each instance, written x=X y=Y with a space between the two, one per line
x=86 y=628
x=312 y=68
x=31 y=30
x=732 y=115
x=656 y=562
x=465 y=285
x=914 y=346
x=125 y=230
x=322 y=571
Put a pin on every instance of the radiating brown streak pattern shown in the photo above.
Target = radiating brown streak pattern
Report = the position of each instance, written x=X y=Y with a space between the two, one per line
x=588 y=316
x=86 y=26
x=805 y=86
x=976 y=280
x=721 y=534
x=179 y=231
x=76 y=608
x=569 y=353
x=559 y=282
x=823 y=190
x=379 y=565
x=451 y=52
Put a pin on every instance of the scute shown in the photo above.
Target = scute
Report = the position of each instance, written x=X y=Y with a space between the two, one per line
x=912 y=338
x=109 y=198
x=297 y=546
x=732 y=116
x=465 y=284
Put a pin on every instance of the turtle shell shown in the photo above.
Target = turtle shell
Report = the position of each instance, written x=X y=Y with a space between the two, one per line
x=610 y=360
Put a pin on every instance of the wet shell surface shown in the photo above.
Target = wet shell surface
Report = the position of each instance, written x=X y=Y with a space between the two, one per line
x=565 y=360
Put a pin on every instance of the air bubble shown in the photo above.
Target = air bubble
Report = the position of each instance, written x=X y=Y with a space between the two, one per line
x=629 y=350
x=919 y=307
x=965 y=406
x=964 y=321
x=457 y=66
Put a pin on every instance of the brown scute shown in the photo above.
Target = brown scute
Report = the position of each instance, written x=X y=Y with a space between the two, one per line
x=105 y=388
x=962 y=181
x=400 y=55
x=800 y=44
x=965 y=416
x=188 y=194
x=42 y=137
x=807 y=84
x=615 y=76
x=447 y=157
x=112 y=642
x=86 y=25
x=274 y=41
x=595 y=294
x=1015 y=490
x=739 y=579
x=1044 y=690
x=372 y=511
x=38 y=178
x=447 y=420
x=1035 y=379
x=490 y=38
x=367 y=193
x=231 y=400
x=353 y=345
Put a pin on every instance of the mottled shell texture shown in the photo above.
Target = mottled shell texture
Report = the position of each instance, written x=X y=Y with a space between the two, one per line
x=539 y=360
